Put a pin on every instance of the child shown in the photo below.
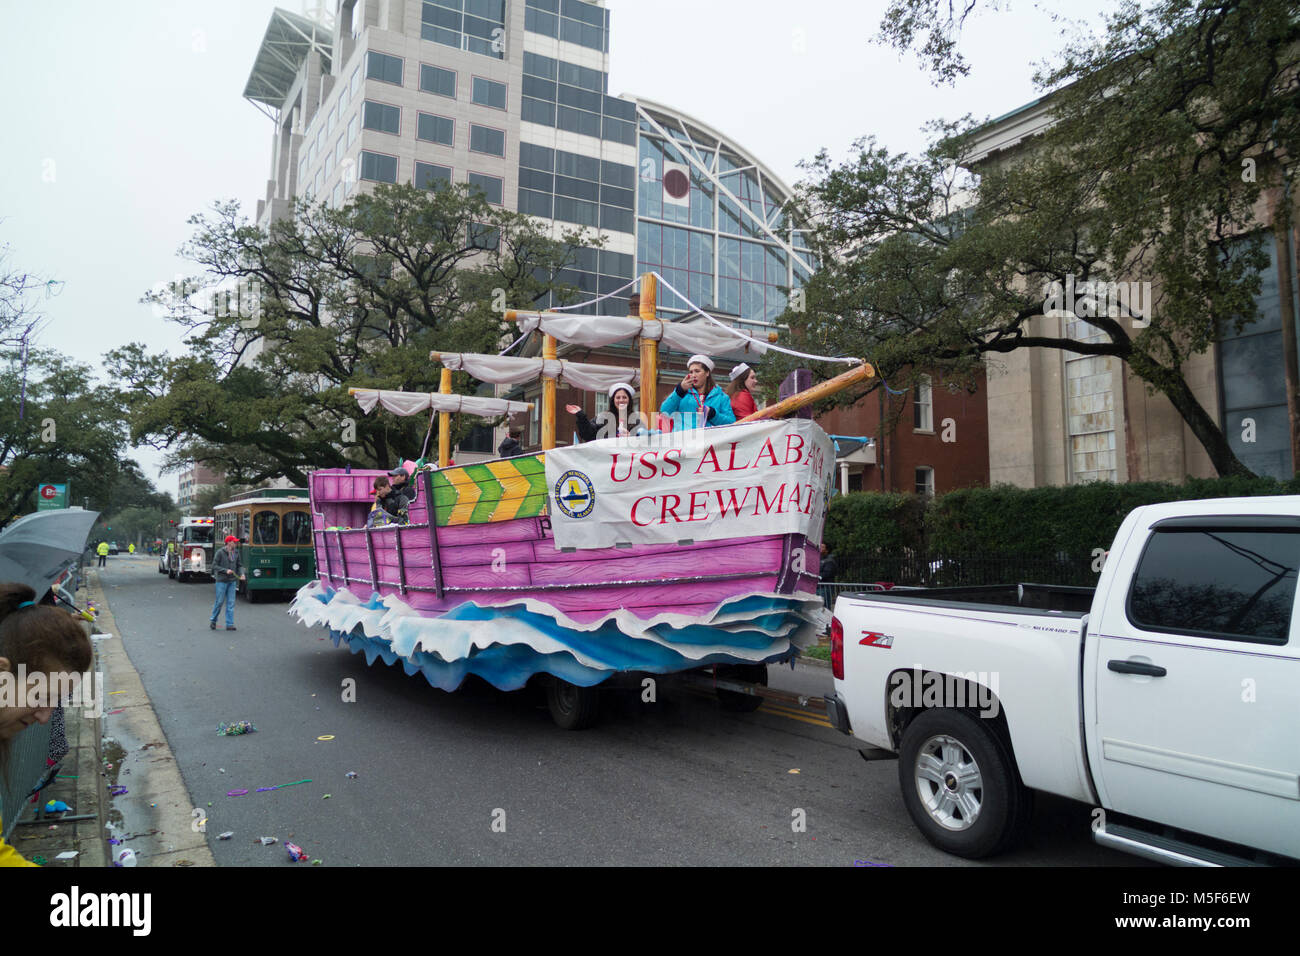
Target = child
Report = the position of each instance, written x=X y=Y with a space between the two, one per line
x=379 y=516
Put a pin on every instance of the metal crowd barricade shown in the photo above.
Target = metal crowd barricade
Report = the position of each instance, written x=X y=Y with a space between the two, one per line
x=23 y=770
x=830 y=590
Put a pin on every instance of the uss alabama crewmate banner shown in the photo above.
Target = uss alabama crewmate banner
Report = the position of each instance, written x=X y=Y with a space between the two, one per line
x=735 y=481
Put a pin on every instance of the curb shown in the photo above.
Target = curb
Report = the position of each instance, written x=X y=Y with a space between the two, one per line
x=168 y=812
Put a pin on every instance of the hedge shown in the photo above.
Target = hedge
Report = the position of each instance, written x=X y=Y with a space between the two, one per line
x=1061 y=521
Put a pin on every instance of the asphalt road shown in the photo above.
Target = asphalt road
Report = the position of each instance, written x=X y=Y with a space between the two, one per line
x=481 y=776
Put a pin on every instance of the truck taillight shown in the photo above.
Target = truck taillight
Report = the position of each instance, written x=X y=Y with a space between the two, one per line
x=837 y=649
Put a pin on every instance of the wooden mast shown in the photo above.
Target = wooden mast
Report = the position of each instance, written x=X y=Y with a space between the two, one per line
x=548 y=396
x=649 y=354
x=444 y=422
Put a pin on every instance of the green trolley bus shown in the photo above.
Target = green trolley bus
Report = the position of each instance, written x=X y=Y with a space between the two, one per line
x=273 y=526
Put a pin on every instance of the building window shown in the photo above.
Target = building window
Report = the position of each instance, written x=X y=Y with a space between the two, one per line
x=436 y=129
x=474 y=25
x=332 y=122
x=436 y=80
x=537 y=111
x=429 y=174
x=355 y=83
x=378 y=167
x=925 y=481
x=1252 y=380
x=383 y=67
x=537 y=157
x=485 y=139
x=354 y=127
x=533 y=203
x=490 y=186
x=339 y=150
x=381 y=117
x=482 y=236
x=338 y=195
x=923 y=406
x=489 y=93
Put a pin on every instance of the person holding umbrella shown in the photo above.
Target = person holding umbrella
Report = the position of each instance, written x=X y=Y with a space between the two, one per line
x=227 y=570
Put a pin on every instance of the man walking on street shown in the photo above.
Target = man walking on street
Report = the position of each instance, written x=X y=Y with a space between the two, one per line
x=228 y=570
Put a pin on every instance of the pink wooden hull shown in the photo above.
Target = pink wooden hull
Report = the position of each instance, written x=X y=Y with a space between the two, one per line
x=504 y=562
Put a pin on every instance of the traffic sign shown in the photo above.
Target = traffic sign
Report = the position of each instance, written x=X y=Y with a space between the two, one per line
x=51 y=496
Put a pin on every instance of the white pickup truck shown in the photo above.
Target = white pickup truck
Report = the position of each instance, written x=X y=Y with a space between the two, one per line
x=1168 y=698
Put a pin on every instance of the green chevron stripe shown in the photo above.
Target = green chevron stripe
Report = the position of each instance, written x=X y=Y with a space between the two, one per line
x=534 y=469
x=444 y=497
x=532 y=506
x=490 y=492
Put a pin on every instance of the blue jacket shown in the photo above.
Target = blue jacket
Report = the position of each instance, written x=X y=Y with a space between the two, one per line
x=687 y=405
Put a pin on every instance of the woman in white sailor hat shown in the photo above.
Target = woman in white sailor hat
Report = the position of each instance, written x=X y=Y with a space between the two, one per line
x=609 y=424
x=697 y=402
x=741 y=390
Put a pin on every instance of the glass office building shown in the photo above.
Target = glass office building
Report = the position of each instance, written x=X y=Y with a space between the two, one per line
x=514 y=99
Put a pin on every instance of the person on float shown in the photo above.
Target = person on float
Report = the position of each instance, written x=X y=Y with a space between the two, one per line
x=612 y=423
x=382 y=512
x=697 y=401
x=741 y=391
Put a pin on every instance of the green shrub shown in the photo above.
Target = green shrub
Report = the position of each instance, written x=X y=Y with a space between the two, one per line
x=1004 y=520
x=873 y=521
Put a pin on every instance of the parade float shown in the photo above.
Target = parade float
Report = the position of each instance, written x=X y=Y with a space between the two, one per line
x=653 y=552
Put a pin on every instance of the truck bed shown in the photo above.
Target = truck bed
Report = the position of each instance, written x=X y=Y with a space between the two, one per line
x=1027 y=598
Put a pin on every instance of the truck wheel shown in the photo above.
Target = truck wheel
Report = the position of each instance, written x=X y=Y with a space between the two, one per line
x=959 y=784
x=171 y=573
x=572 y=707
x=733 y=700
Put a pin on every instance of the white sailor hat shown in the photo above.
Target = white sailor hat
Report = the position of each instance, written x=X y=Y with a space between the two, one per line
x=631 y=392
x=702 y=360
x=739 y=370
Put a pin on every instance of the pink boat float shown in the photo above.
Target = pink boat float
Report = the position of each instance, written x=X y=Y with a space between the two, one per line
x=656 y=553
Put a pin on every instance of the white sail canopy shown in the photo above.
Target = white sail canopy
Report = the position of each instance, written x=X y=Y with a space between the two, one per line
x=412 y=403
x=595 y=331
x=509 y=370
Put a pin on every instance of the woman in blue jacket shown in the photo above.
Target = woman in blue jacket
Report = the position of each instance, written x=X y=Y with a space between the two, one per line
x=698 y=402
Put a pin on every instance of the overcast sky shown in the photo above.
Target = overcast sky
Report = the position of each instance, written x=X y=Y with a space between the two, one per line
x=124 y=119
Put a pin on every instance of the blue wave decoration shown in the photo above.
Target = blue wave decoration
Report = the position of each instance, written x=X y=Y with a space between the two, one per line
x=506 y=646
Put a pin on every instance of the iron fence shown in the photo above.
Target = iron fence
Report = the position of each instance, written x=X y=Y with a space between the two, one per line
x=942 y=570
x=22 y=771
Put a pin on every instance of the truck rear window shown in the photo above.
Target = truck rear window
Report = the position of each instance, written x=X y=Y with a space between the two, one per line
x=1236 y=584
